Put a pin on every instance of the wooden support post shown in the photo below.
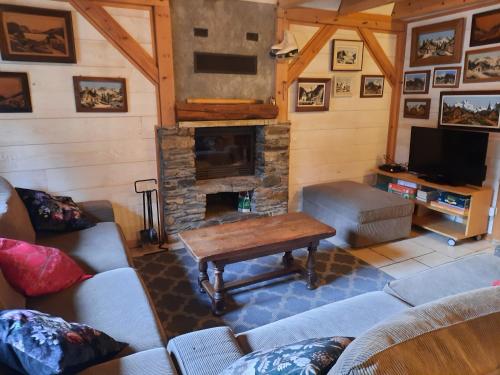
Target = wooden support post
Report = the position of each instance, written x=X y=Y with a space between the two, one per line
x=310 y=51
x=281 y=71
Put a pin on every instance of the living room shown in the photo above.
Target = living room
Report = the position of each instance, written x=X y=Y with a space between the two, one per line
x=261 y=187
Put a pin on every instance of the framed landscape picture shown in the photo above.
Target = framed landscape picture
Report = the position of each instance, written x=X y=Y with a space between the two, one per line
x=485 y=28
x=470 y=109
x=482 y=65
x=416 y=82
x=14 y=93
x=437 y=44
x=36 y=34
x=347 y=55
x=343 y=86
x=417 y=108
x=372 y=86
x=313 y=94
x=446 y=77
x=99 y=94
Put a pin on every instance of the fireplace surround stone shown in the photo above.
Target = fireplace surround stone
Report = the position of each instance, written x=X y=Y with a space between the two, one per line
x=184 y=197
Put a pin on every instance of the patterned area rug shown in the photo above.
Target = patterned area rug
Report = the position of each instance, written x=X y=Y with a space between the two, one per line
x=171 y=278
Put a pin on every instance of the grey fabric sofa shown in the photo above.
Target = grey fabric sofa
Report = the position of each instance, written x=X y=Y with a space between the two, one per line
x=114 y=300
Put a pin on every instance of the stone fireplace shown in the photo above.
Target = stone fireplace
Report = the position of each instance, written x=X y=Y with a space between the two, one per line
x=205 y=166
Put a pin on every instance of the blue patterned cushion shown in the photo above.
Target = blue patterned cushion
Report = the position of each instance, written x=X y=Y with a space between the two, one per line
x=35 y=343
x=308 y=357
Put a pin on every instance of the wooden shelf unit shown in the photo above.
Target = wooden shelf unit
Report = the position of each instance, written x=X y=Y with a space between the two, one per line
x=472 y=223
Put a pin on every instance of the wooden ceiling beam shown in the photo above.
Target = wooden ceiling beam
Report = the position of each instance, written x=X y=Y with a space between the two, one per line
x=354 y=6
x=416 y=9
x=291 y=3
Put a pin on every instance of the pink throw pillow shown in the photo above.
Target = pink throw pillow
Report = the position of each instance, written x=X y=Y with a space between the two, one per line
x=35 y=270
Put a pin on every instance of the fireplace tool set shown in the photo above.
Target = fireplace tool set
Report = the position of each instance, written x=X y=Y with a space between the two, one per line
x=149 y=235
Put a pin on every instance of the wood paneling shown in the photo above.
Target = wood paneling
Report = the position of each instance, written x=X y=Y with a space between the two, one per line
x=411 y=9
x=353 y=6
x=496 y=223
x=281 y=71
x=291 y=3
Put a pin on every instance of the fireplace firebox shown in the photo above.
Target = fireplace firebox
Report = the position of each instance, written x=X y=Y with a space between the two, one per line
x=224 y=152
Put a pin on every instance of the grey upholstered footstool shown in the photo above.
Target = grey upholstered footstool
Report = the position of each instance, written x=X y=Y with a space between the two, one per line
x=362 y=215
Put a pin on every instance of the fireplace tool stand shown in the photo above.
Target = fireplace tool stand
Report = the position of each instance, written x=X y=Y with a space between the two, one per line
x=149 y=235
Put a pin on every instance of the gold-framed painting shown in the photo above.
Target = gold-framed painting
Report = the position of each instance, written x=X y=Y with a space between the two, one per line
x=446 y=77
x=313 y=94
x=14 y=93
x=347 y=55
x=372 y=86
x=482 y=65
x=100 y=94
x=417 y=108
x=485 y=28
x=36 y=34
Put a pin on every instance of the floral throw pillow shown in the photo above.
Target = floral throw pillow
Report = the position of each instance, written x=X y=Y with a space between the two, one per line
x=308 y=357
x=52 y=213
x=32 y=343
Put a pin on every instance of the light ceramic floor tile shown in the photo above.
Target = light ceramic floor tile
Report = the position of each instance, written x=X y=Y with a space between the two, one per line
x=476 y=245
x=371 y=257
x=434 y=259
x=439 y=243
x=404 y=269
x=402 y=250
x=490 y=250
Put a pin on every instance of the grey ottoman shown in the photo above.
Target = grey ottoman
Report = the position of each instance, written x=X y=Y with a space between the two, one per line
x=361 y=214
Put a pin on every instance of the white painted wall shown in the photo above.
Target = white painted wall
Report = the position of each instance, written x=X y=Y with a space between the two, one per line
x=347 y=141
x=405 y=124
x=86 y=156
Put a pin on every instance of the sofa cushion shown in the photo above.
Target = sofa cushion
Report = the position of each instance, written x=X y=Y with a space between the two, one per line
x=98 y=211
x=349 y=318
x=9 y=298
x=114 y=302
x=460 y=276
x=360 y=203
x=97 y=249
x=15 y=222
x=149 y=362
x=454 y=335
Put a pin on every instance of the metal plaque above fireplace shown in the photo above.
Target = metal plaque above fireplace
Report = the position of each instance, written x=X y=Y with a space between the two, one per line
x=224 y=152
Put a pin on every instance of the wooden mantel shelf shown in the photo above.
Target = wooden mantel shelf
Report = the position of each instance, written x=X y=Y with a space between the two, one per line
x=220 y=123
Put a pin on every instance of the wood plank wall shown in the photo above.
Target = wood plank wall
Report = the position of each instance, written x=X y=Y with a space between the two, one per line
x=349 y=140
x=86 y=156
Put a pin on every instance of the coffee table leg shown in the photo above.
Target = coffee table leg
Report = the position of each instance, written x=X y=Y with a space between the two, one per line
x=218 y=304
x=312 y=278
x=288 y=259
x=203 y=275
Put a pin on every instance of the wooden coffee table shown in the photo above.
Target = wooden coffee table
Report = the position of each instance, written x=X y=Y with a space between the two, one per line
x=254 y=238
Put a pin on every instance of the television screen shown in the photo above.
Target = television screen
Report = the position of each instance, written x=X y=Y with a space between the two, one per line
x=448 y=156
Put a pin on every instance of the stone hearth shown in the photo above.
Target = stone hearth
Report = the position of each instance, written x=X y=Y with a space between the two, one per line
x=184 y=198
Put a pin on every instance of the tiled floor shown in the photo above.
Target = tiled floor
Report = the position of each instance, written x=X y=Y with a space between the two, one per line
x=422 y=251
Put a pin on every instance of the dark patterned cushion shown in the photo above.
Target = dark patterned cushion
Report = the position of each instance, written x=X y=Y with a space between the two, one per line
x=35 y=343
x=311 y=357
x=53 y=214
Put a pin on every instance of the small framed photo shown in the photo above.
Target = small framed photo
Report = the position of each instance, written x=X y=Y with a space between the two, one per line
x=313 y=94
x=482 y=65
x=343 y=86
x=14 y=93
x=437 y=44
x=416 y=82
x=372 y=86
x=417 y=108
x=100 y=94
x=347 y=55
x=36 y=34
x=446 y=77
x=485 y=28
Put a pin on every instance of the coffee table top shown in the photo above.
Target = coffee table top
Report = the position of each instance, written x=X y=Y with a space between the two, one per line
x=263 y=235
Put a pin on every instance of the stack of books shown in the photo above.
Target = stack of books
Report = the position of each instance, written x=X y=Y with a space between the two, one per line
x=454 y=203
x=426 y=194
x=405 y=191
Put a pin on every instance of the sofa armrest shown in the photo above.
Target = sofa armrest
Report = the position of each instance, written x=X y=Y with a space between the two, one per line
x=100 y=211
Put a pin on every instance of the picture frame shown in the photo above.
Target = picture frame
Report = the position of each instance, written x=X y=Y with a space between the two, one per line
x=447 y=77
x=347 y=55
x=15 y=94
x=100 y=94
x=437 y=44
x=482 y=65
x=416 y=82
x=372 y=86
x=343 y=86
x=36 y=34
x=313 y=94
x=417 y=108
x=478 y=110
x=484 y=28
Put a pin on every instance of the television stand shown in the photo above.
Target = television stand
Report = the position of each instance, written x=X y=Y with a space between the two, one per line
x=472 y=224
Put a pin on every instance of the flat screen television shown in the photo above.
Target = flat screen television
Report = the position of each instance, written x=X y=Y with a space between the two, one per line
x=446 y=156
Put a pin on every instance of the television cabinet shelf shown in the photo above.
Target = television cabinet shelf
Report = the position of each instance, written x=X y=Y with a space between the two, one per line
x=473 y=223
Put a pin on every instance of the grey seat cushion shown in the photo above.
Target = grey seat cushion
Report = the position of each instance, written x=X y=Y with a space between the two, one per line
x=99 y=211
x=114 y=302
x=454 y=335
x=97 y=249
x=15 y=222
x=360 y=203
x=350 y=317
x=466 y=274
x=149 y=362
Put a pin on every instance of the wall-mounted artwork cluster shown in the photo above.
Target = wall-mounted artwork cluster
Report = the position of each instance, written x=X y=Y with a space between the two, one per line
x=441 y=44
x=46 y=36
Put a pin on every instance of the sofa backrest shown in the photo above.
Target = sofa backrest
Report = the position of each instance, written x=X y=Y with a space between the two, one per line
x=9 y=298
x=15 y=222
